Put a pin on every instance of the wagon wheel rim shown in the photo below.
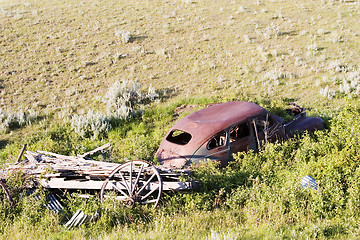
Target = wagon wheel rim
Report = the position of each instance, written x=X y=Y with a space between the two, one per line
x=135 y=182
x=6 y=191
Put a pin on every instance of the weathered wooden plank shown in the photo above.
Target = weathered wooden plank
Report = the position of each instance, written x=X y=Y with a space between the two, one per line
x=54 y=154
x=21 y=153
x=177 y=186
x=76 y=172
x=73 y=159
x=61 y=183
x=31 y=158
x=95 y=150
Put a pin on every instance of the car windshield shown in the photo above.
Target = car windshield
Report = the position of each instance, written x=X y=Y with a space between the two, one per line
x=179 y=137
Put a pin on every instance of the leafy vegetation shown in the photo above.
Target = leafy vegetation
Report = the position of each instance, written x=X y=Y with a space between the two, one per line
x=60 y=92
x=257 y=195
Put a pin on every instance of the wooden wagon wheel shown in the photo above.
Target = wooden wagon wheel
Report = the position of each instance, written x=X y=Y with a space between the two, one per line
x=134 y=182
x=6 y=191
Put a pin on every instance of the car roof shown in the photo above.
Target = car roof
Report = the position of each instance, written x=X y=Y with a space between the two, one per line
x=207 y=122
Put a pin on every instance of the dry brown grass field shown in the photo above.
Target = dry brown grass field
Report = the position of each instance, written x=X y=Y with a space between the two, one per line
x=65 y=54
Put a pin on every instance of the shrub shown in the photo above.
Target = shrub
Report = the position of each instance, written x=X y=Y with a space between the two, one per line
x=327 y=93
x=125 y=99
x=125 y=36
x=273 y=186
x=351 y=85
x=93 y=124
x=13 y=120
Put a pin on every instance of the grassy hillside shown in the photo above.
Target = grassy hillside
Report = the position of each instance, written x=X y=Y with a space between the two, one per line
x=65 y=54
x=60 y=64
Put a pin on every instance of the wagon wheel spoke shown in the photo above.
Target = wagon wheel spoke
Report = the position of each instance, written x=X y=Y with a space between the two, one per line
x=125 y=182
x=131 y=188
x=135 y=182
x=138 y=176
x=149 y=201
x=145 y=185
x=149 y=193
x=119 y=190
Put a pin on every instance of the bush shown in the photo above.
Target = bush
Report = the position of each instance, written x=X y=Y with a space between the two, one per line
x=273 y=186
x=256 y=193
x=13 y=120
x=123 y=101
x=93 y=124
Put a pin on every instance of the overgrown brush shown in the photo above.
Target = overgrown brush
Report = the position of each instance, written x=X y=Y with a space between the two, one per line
x=123 y=101
x=265 y=187
x=93 y=124
x=257 y=194
x=13 y=120
x=272 y=191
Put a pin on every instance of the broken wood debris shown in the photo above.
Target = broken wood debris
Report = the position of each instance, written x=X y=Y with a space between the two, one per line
x=95 y=150
x=134 y=181
x=54 y=170
x=21 y=153
x=49 y=164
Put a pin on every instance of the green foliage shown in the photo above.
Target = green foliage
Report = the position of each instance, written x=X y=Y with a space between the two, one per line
x=124 y=99
x=251 y=50
x=257 y=193
x=329 y=156
x=29 y=208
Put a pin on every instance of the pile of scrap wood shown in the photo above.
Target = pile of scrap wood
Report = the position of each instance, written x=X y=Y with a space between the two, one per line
x=55 y=171
x=41 y=164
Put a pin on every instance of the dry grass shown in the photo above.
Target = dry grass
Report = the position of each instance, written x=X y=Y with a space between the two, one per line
x=65 y=54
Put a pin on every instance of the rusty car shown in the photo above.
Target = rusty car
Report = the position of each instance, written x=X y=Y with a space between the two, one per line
x=220 y=130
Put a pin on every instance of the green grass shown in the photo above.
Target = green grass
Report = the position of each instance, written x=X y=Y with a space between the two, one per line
x=59 y=58
x=256 y=196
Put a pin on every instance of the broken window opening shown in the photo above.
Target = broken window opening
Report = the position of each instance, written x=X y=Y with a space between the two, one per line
x=217 y=141
x=239 y=131
x=179 y=137
x=263 y=122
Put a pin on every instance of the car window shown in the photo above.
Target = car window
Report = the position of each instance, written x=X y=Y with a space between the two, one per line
x=239 y=131
x=179 y=137
x=217 y=141
x=263 y=122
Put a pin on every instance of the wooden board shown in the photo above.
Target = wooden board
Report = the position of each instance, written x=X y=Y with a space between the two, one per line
x=56 y=171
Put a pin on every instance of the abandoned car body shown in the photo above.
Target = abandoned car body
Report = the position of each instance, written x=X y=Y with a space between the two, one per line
x=218 y=131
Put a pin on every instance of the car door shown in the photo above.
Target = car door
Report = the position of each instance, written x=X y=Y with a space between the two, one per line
x=241 y=137
x=216 y=149
x=250 y=134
